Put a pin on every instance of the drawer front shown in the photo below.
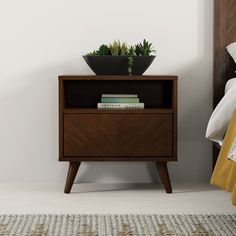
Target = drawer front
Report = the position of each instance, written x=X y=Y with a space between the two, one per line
x=89 y=135
x=123 y=135
x=145 y=135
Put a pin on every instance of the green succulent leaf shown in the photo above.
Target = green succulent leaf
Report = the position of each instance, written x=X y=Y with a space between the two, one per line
x=104 y=50
x=124 y=49
x=130 y=64
x=131 y=51
x=144 y=49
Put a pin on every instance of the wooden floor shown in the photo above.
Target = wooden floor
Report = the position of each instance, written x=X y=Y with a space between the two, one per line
x=113 y=199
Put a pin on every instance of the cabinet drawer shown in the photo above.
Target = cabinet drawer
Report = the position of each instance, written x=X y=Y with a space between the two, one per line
x=118 y=135
x=90 y=135
x=145 y=135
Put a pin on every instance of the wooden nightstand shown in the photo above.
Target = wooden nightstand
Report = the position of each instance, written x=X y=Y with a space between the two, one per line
x=88 y=134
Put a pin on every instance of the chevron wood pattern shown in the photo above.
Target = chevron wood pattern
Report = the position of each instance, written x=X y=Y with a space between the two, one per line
x=90 y=135
x=118 y=135
x=145 y=135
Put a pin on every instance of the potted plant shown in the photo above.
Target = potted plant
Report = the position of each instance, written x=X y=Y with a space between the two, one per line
x=120 y=59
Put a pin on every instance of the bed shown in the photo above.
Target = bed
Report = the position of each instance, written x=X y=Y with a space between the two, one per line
x=224 y=174
x=224 y=66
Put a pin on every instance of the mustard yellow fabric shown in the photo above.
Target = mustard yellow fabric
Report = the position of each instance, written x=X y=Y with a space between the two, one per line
x=224 y=175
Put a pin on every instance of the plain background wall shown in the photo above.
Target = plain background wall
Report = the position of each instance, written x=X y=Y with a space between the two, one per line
x=40 y=40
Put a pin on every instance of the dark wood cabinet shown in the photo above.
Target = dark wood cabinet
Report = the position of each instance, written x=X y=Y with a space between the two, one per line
x=89 y=134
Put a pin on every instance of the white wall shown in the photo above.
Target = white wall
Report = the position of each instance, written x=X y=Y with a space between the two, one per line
x=41 y=39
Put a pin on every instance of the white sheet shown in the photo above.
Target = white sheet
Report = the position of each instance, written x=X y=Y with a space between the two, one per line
x=221 y=116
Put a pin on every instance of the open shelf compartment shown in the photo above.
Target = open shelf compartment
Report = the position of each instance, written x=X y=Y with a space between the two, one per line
x=85 y=94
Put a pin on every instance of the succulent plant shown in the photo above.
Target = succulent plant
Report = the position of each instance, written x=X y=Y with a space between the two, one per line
x=130 y=64
x=131 y=51
x=131 y=54
x=124 y=49
x=115 y=47
x=103 y=50
x=121 y=49
x=118 y=48
x=144 y=48
x=94 y=53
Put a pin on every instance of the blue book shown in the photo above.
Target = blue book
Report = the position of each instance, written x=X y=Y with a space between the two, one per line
x=119 y=95
x=119 y=100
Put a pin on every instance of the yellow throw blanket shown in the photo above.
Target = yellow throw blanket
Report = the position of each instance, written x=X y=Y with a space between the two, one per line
x=224 y=175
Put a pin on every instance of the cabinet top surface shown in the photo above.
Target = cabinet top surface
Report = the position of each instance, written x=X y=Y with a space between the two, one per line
x=117 y=77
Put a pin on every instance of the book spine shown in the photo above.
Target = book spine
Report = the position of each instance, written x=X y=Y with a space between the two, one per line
x=120 y=105
x=120 y=100
x=119 y=95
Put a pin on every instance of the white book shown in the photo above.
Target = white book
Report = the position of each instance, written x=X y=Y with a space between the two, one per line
x=119 y=95
x=120 y=105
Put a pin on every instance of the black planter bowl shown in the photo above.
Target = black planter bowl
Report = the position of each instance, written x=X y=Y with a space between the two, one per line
x=118 y=65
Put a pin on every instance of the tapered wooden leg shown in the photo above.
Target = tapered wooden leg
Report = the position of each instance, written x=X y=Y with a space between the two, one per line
x=72 y=171
x=164 y=175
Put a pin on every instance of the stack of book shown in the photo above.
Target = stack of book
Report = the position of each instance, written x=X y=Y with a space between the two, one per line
x=120 y=101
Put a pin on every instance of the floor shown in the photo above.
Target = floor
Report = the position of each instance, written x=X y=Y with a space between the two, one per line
x=113 y=199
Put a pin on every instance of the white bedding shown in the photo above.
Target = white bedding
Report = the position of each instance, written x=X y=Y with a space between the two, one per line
x=220 y=117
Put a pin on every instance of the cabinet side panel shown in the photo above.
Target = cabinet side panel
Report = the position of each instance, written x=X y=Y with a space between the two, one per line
x=61 y=107
x=175 y=117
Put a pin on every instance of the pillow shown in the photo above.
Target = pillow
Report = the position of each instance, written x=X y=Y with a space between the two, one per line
x=230 y=83
x=221 y=116
x=232 y=50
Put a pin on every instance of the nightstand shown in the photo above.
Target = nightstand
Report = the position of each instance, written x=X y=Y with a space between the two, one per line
x=90 y=134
